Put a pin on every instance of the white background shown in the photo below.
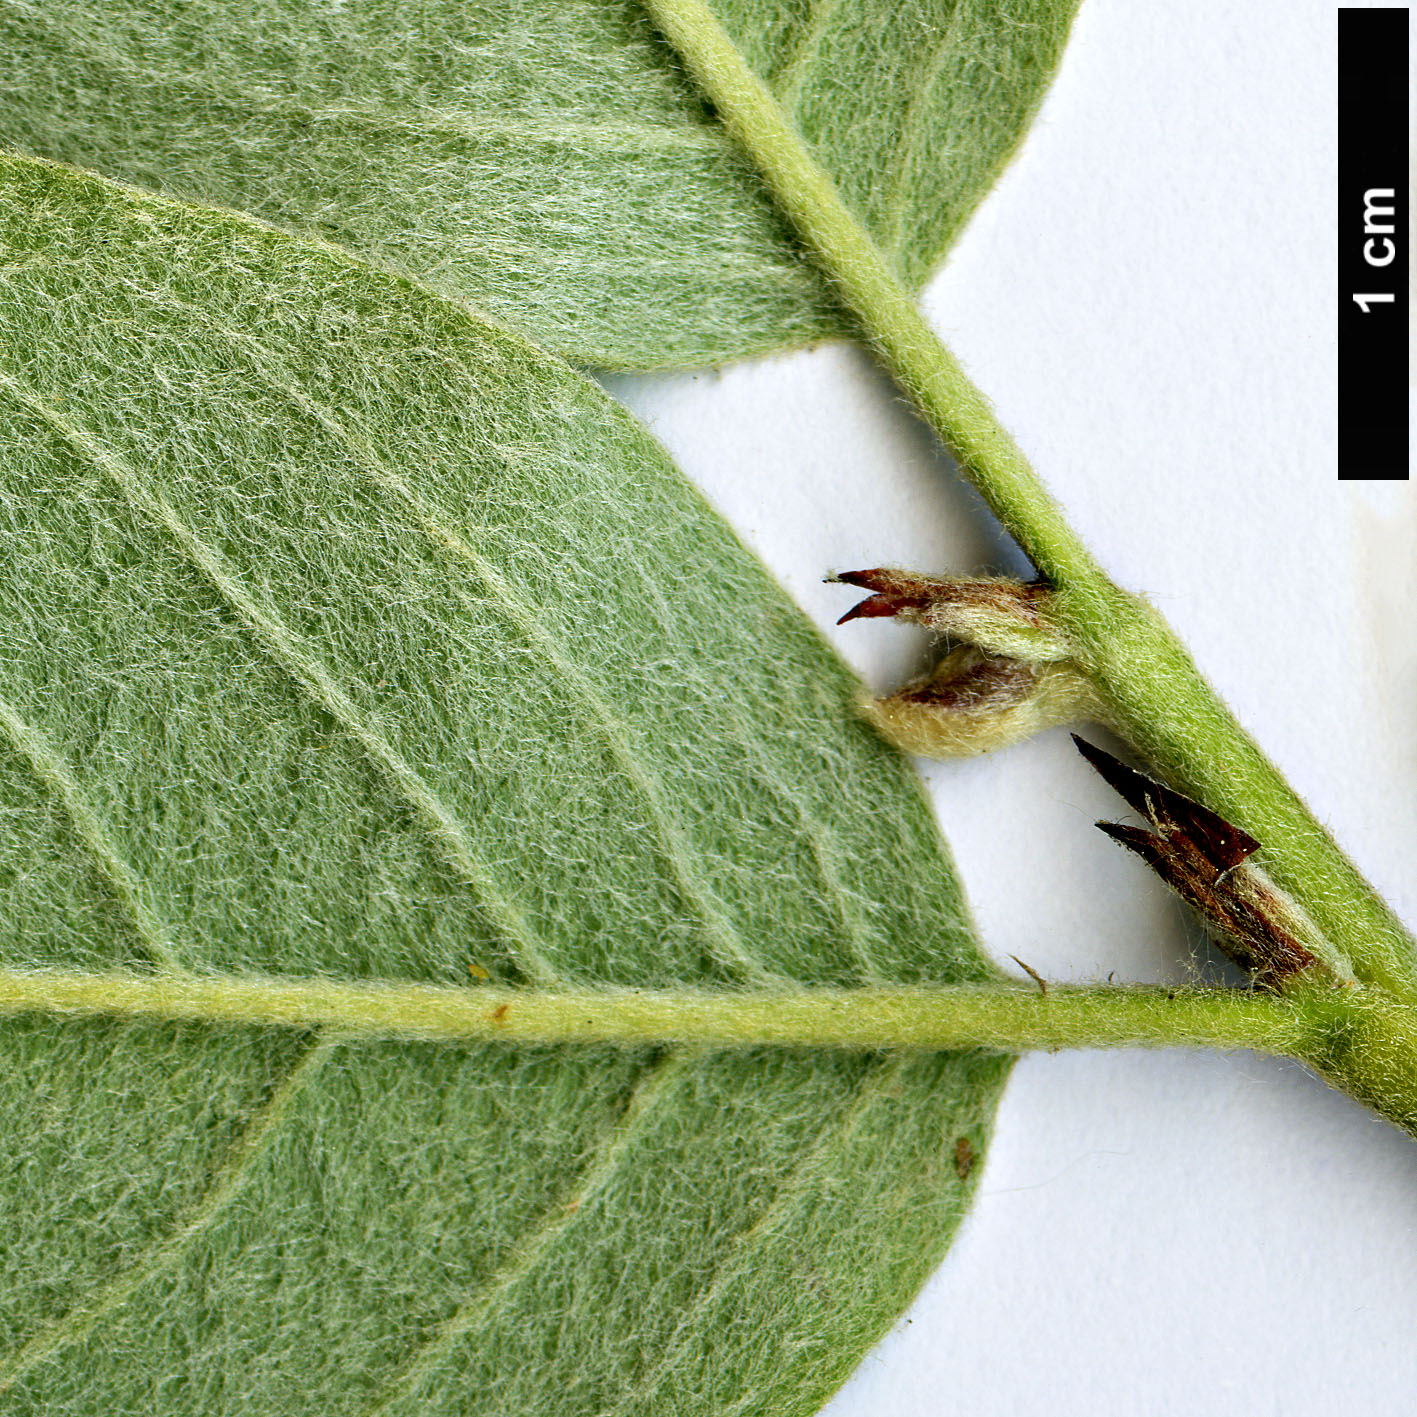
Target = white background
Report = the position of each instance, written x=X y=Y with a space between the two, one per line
x=1148 y=298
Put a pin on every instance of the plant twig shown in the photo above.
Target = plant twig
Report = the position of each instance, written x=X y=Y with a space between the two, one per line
x=1156 y=695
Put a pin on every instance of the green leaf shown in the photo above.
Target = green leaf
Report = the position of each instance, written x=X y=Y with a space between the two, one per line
x=344 y=634
x=547 y=162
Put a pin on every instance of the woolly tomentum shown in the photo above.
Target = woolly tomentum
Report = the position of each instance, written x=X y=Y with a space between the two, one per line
x=346 y=635
x=546 y=162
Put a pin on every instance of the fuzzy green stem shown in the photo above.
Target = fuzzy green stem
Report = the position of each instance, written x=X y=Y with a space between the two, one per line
x=1155 y=694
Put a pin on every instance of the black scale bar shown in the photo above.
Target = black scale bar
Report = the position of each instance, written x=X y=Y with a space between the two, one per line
x=1372 y=244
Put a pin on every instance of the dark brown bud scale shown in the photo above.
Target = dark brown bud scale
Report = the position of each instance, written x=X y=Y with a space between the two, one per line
x=1204 y=859
x=1169 y=810
x=931 y=600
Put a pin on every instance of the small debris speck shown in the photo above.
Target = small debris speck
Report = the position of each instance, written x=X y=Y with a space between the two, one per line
x=964 y=1158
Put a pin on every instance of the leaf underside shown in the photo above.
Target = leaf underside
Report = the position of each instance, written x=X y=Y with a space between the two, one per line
x=344 y=633
x=546 y=162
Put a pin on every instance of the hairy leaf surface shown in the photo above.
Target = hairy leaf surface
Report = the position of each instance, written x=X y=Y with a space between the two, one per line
x=345 y=634
x=546 y=161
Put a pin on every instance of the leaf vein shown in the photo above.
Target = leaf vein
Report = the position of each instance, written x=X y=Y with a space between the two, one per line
x=233 y=1174
x=817 y=836
x=725 y=940
x=630 y=135
x=913 y=134
x=55 y=776
x=649 y=1092
x=789 y=1194
x=792 y=77
x=308 y=673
